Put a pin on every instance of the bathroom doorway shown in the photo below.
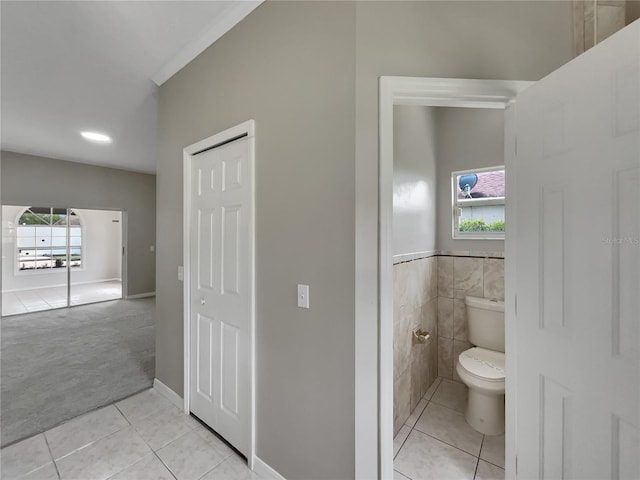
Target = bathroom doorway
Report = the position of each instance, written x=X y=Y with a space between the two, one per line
x=433 y=272
x=454 y=93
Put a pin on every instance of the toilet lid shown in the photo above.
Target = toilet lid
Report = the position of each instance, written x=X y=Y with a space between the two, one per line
x=483 y=363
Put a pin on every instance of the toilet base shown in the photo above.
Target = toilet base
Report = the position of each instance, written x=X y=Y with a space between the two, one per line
x=485 y=413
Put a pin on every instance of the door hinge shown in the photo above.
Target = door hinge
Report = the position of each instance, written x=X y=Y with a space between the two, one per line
x=516 y=466
x=123 y=251
x=515 y=305
x=515 y=146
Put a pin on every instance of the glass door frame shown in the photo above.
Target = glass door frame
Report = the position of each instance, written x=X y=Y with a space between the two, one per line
x=68 y=249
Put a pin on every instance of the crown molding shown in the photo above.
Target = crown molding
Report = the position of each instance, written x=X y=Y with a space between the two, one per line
x=229 y=18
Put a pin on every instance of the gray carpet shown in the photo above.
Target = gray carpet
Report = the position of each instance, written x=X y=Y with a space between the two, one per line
x=59 y=364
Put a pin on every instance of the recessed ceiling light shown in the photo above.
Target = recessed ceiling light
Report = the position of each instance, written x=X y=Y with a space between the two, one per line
x=96 y=137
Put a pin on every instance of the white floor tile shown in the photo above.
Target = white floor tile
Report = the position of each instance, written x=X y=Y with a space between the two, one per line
x=24 y=457
x=105 y=457
x=400 y=438
x=142 y=405
x=190 y=456
x=149 y=468
x=432 y=389
x=82 y=431
x=217 y=444
x=425 y=458
x=449 y=426
x=48 y=472
x=53 y=295
x=487 y=471
x=38 y=299
x=493 y=449
x=413 y=418
x=233 y=468
x=163 y=426
x=37 y=307
x=11 y=305
x=398 y=476
x=451 y=395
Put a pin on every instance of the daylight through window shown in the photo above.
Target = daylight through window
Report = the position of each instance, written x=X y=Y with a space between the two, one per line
x=48 y=238
x=478 y=203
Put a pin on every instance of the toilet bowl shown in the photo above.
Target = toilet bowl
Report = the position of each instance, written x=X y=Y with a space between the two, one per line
x=482 y=367
x=482 y=371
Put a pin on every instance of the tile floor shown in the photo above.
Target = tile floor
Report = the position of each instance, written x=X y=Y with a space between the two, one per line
x=146 y=437
x=34 y=300
x=141 y=437
x=436 y=443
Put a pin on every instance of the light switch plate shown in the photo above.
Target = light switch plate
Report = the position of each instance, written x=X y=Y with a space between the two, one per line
x=180 y=272
x=303 y=296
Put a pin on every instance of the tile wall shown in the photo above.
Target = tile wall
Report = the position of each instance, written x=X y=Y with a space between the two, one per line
x=459 y=276
x=415 y=306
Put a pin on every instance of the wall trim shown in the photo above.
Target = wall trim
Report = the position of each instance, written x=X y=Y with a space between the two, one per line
x=167 y=393
x=410 y=257
x=140 y=295
x=223 y=22
x=264 y=470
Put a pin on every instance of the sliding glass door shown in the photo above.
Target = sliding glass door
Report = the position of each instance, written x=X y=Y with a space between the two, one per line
x=57 y=257
x=95 y=250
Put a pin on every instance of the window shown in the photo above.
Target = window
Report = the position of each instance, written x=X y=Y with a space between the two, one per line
x=478 y=203
x=47 y=237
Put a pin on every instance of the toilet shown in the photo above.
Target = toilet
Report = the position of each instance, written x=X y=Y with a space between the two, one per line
x=481 y=368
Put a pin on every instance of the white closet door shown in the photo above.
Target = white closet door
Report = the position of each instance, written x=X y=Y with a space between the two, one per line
x=220 y=290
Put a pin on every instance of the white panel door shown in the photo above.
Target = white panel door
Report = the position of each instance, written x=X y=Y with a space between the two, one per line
x=220 y=270
x=577 y=266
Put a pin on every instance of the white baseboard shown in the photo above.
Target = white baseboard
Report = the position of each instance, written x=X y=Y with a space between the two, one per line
x=264 y=470
x=140 y=295
x=167 y=393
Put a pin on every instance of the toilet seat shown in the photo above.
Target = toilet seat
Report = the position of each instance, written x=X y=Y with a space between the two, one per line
x=483 y=364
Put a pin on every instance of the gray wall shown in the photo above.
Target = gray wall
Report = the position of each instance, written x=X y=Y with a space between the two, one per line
x=467 y=138
x=522 y=40
x=290 y=66
x=632 y=11
x=414 y=179
x=307 y=72
x=30 y=180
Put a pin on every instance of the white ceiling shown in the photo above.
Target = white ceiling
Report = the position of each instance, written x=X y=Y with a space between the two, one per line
x=68 y=66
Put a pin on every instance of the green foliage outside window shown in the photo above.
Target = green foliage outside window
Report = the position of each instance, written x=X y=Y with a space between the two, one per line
x=480 y=226
x=29 y=218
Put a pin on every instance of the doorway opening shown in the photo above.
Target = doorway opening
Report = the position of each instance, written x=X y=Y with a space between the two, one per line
x=60 y=257
x=448 y=224
x=430 y=92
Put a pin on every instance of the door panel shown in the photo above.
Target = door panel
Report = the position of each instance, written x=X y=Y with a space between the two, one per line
x=220 y=298
x=206 y=245
x=205 y=338
x=229 y=369
x=230 y=249
x=577 y=267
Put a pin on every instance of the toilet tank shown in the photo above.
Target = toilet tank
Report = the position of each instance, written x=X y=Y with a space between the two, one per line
x=485 y=320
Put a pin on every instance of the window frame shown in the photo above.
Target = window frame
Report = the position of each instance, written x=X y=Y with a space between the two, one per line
x=457 y=204
x=44 y=271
